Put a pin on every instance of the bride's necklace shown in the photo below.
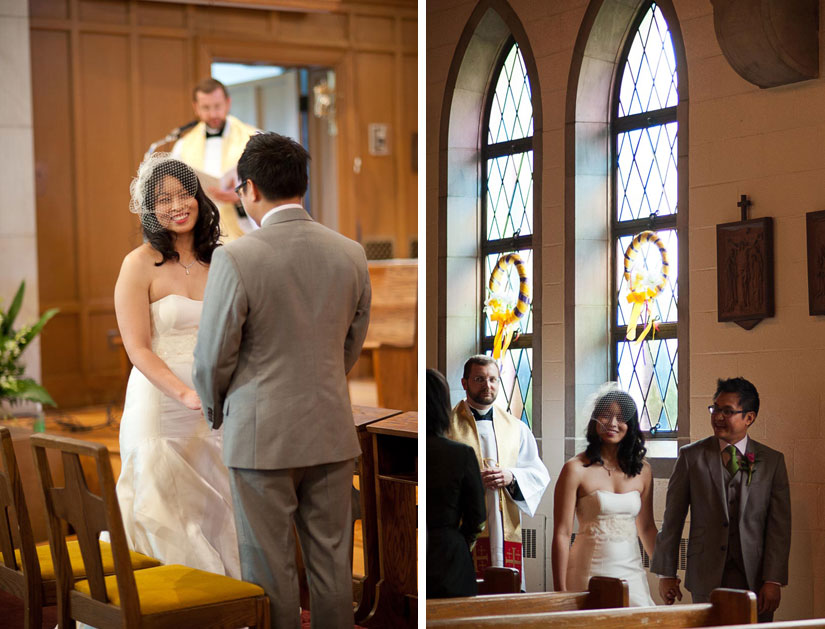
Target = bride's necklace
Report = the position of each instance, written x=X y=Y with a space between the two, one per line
x=609 y=469
x=186 y=267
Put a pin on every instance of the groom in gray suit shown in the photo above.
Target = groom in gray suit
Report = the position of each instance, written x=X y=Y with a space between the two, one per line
x=740 y=509
x=285 y=314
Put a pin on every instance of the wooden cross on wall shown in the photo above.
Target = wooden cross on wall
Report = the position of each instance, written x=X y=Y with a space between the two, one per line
x=744 y=204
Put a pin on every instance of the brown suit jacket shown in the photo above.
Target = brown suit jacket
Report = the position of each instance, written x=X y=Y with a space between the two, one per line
x=285 y=313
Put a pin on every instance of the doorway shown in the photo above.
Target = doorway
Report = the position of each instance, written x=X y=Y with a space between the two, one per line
x=298 y=102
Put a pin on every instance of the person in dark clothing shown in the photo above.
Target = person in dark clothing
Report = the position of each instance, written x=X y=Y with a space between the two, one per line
x=455 y=500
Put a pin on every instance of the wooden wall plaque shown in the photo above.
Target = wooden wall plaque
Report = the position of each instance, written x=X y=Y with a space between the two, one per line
x=815 y=224
x=744 y=269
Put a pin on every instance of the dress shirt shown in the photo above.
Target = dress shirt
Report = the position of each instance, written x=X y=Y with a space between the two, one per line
x=278 y=208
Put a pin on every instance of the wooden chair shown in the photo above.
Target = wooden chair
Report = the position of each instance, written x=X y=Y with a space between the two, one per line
x=26 y=570
x=726 y=607
x=499 y=581
x=603 y=592
x=162 y=597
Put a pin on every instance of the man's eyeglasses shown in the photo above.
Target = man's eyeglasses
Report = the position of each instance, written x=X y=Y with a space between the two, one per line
x=240 y=186
x=726 y=411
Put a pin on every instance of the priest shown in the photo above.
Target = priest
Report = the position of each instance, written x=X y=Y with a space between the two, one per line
x=512 y=472
x=213 y=147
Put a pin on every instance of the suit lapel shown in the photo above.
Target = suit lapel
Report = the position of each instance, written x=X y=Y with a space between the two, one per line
x=714 y=464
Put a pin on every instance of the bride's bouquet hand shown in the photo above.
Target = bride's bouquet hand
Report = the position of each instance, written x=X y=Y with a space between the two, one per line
x=191 y=400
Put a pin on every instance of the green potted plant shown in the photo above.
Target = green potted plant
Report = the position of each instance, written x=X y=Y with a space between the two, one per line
x=13 y=387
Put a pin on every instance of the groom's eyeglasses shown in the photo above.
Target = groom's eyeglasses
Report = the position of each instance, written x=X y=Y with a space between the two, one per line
x=727 y=412
x=241 y=186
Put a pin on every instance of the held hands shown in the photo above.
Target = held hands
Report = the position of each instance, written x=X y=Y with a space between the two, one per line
x=496 y=477
x=669 y=589
x=191 y=400
x=768 y=598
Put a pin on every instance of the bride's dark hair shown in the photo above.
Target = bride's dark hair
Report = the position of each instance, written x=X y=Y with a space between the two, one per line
x=207 y=228
x=631 y=452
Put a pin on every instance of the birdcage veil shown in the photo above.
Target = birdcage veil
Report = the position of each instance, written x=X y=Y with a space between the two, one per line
x=154 y=196
x=602 y=398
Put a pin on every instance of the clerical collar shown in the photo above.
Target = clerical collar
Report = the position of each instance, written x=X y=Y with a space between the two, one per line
x=488 y=416
x=215 y=133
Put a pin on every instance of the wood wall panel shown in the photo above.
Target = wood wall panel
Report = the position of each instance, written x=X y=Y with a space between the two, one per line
x=107 y=156
x=117 y=75
x=226 y=22
x=55 y=9
x=54 y=167
x=375 y=103
x=329 y=28
x=161 y=14
x=103 y=11
x=373 y=29
x=61 y=356
x=408 y=164
x=163 y=67
x=409 y=34
x=104 y=355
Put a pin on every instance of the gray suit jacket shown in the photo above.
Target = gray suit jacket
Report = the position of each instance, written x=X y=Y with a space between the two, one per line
x=285 y=313
x=764 y=522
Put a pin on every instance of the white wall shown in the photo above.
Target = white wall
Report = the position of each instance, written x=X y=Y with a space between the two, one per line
x=18 y=227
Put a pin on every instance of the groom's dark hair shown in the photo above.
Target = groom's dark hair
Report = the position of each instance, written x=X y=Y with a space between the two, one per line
x=748 y=395
x=277 y=164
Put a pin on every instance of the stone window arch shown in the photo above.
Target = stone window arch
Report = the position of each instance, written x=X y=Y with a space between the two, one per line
x=467 y=246
x=600 y=123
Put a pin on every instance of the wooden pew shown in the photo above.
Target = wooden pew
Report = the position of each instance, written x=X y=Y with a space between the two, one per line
x=603 y=592
x=499 y=581
x=811 y=623
x=392 y=337
x=727 y=607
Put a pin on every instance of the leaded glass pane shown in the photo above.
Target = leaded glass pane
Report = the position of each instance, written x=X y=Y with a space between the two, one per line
x=649 y=261
x=510 y=196
x=648 y=371
x=511 y=113
x=649 y=79
x=517 y=383
x=646 y=174
x=511 y=289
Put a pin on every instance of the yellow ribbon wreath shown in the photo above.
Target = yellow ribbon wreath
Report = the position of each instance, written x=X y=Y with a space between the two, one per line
x=498 y=305
x=643 y=289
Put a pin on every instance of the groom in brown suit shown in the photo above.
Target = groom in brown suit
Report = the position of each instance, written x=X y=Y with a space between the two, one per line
x=285 y=314
x=740 y=509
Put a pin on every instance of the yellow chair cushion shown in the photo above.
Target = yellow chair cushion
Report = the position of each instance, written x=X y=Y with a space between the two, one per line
x=44 y=556
x=173 y=587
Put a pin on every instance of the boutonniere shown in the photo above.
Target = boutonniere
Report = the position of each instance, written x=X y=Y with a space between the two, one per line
x=750 y=463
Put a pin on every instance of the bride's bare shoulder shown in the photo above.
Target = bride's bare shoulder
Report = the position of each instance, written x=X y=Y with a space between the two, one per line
x=576 y=464
x=141 y=257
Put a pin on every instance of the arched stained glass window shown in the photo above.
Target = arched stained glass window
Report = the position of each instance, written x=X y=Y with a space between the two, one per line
x=507 y=213
x=645 y=177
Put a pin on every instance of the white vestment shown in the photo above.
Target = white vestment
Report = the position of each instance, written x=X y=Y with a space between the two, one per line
x=530 y=474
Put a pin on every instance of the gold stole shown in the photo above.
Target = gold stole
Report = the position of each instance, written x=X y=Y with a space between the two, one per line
x=193 y=147
x=508 y=438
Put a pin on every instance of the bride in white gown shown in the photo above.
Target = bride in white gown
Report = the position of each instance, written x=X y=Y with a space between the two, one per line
x=609 y=487
x=173 y=488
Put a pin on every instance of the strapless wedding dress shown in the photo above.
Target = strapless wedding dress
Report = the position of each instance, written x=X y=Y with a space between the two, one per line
x=607 y=544
x=173 y=487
